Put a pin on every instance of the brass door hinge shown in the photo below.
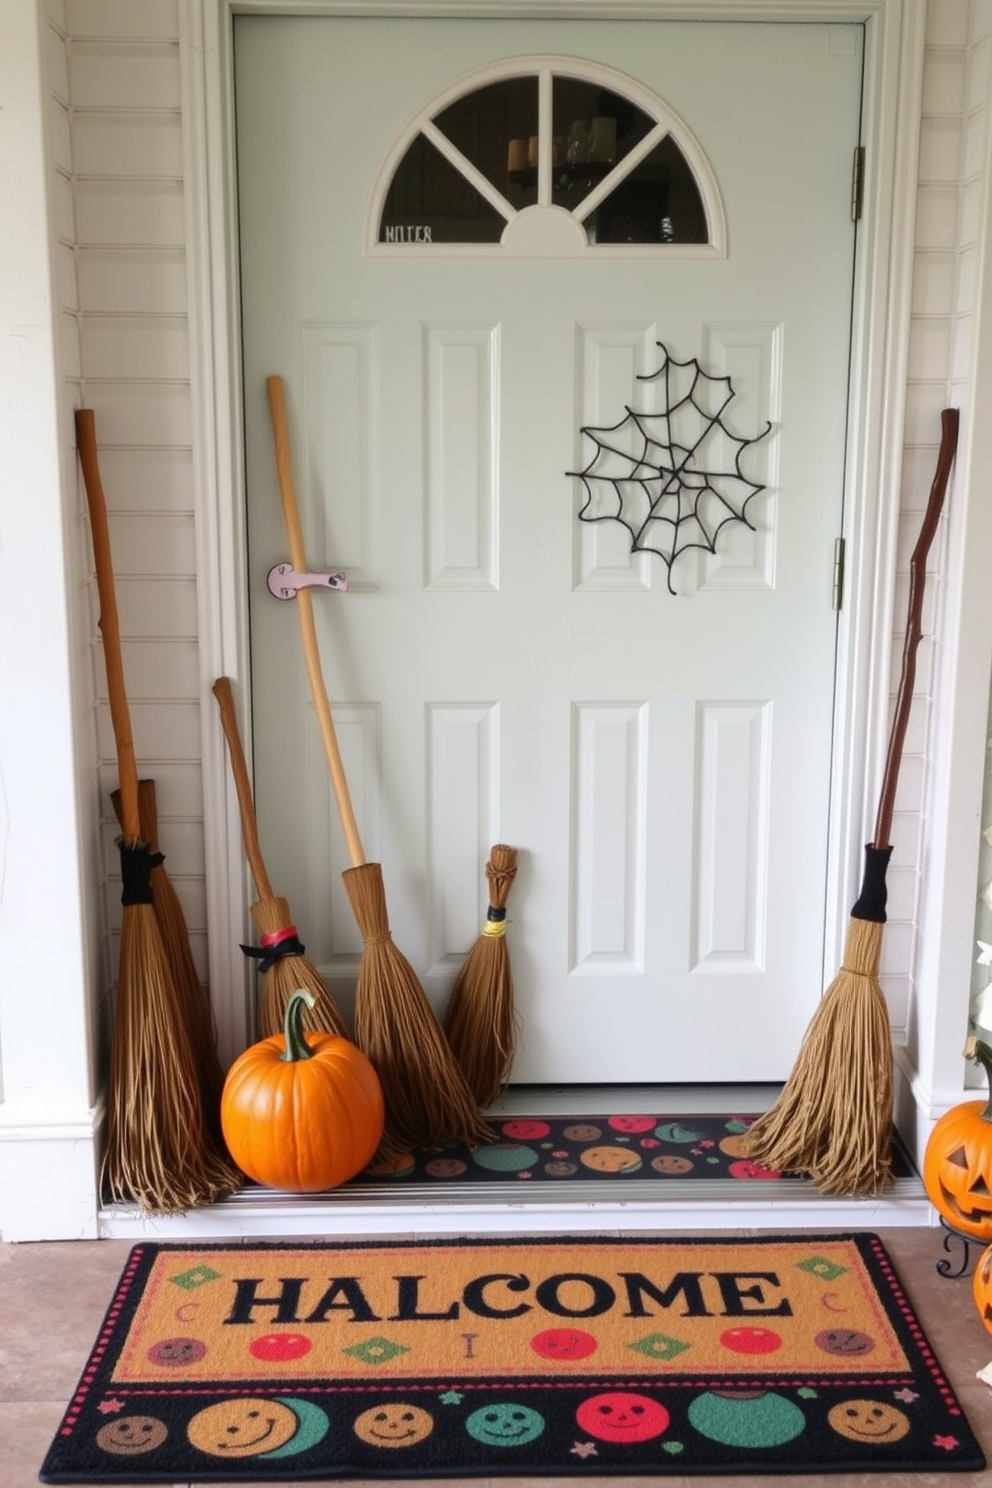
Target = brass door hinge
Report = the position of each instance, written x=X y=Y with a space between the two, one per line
x=838 y=589
x=857 y=182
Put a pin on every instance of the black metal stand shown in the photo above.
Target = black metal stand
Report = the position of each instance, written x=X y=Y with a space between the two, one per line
x=945 y=1268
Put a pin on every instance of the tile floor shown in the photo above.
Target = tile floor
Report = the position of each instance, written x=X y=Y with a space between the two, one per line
x=53 y=1297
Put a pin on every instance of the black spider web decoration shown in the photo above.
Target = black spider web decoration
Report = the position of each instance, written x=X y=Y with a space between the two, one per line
x=673 y=477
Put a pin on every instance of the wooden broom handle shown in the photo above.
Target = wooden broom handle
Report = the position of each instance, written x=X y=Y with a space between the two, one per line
x=109 y=624
x=917 y=582
x=308 y=630
x=242 y=784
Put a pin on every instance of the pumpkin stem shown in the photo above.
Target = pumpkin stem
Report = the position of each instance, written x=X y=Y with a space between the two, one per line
x=296 y=1044
x=981 y=1052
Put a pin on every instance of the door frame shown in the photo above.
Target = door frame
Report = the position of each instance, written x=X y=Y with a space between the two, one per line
x=894 y=52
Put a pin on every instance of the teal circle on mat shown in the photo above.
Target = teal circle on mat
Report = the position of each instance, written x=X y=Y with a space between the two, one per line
x=747 y=1420
x=501 y=1157
x=505 y=1424
x=314 y=1426
x=674 y=1131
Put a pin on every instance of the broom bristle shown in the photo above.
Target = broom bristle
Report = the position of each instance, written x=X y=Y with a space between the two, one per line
x=192 y=995
x=158 y=1151
x=428 y=1102
x=481 y=1025
x=288 y=974
x=193 y=998
x=481 y=1021
x=833 y=1119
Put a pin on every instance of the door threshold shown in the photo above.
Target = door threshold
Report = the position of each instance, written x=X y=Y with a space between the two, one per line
x=591 y=1100
x=275 y=1215
x=568 y=1206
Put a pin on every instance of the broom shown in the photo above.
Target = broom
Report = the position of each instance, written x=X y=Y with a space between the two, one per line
x=174 y=931
x=833 y=1118
x=285 y=967
x=428 y=1102
x=159 y=1150
x=481 y=1024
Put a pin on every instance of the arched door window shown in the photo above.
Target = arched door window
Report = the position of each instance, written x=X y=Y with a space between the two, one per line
x=547 y=156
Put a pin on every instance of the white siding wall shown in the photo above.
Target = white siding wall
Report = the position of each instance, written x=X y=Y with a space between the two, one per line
x=78 y=558
x=976 y=129
x=126 y=140
x=952 y=159
x=50 y=873
x=947 y=289
x=125 y=100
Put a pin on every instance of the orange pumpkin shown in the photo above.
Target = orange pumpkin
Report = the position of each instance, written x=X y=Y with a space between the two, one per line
x=981 y=1287
x=957 y=1163
x=302 y=1111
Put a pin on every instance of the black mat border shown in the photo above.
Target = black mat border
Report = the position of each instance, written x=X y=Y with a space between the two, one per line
x=926 y=1375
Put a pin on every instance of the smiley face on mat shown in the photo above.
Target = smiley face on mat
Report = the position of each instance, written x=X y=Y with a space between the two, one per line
x=564 y=1343
x=446 y=1167
x=175 y=1352
x=735 y=1145
x=671 y=1164
x=847 y=1342
x=745 y=1168
x=130 y=1436
x=505 y=1424
x=393 y=1425
x=610 y=1159
x=582 y=1131
x=869 y=1421
x=525 y=1131
x=622 y=1416
x=631 y=1123
x=246 y=1426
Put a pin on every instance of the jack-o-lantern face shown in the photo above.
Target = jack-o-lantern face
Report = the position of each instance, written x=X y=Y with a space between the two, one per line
x=957 y=1169
x=981 y=1287
x=957 y=1163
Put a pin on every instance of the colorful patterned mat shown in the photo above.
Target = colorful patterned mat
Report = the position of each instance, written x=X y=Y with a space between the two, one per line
x=530 y=1357
x=555 y=1149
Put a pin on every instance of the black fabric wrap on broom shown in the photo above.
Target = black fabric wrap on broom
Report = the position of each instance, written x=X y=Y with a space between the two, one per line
x=137 y=862
x=267 y=956
x=874 y=895
x=284 y=968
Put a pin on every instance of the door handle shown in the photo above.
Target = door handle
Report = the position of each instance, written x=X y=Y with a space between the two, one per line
x=285 y=583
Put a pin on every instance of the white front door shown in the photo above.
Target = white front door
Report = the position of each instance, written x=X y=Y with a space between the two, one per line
x=501 y=670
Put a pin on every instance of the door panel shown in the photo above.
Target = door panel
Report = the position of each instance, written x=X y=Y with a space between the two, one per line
x=501 y=670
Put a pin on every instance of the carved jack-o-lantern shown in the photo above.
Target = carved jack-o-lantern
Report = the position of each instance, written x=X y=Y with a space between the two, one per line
x=981 y=1287
x=957 y=1164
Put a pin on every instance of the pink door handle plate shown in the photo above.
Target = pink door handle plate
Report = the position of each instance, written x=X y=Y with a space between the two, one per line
x=285 y=583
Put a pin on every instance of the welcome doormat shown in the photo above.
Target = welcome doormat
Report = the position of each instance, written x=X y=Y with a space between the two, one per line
x=530 y=1357
x=635 y=1148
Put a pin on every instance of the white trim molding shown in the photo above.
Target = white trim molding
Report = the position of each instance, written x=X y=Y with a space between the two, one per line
x=49 y=1173
x=218 y=478
x=961 y=742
